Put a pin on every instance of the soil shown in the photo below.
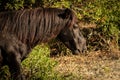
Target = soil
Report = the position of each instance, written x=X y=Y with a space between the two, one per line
x=95 y=65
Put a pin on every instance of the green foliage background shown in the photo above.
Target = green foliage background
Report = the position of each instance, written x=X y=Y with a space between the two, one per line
x=104 y=13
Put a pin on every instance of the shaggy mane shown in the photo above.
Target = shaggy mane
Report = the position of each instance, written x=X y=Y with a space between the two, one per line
x=32 y=26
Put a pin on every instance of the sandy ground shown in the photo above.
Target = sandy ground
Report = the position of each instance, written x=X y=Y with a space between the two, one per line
x=97 y=65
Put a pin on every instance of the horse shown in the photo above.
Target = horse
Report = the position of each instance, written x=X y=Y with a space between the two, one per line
x=22 y=30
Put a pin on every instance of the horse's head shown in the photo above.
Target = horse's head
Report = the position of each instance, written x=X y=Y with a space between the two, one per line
x=73 y=39
x=71 y=35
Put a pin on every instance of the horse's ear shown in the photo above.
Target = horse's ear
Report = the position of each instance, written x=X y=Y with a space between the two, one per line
x=66 y=14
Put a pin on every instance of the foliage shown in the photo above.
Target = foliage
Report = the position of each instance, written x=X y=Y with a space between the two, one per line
x=106 y=15
x=4 y=73
x=57 y=48
x=11 y=4
x=38 y=65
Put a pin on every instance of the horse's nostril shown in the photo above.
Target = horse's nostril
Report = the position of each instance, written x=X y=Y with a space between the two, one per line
x=79 y=50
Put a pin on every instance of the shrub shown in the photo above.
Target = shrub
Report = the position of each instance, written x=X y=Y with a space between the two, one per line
x=105 y=14
x=39 y=65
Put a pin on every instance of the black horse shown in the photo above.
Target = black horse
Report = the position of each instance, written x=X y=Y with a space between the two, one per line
x=21 y=31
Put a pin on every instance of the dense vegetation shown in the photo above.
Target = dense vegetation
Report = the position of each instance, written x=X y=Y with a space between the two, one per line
x=104 y=14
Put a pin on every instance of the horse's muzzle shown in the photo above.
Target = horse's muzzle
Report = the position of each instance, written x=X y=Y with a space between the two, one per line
x=76 y=52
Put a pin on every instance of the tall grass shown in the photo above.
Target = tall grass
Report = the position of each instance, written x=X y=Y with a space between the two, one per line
x=39 y=66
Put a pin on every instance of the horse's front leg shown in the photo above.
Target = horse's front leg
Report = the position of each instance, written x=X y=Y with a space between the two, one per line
x=14 y=64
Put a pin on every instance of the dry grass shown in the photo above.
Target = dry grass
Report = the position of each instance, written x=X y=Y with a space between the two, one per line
x=96 y=65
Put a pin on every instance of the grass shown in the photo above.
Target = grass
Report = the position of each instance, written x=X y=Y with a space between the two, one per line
x=39 y=65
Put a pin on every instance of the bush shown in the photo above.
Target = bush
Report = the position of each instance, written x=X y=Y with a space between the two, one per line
x=106 y=15
x=11 y=4
x=38 y=65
